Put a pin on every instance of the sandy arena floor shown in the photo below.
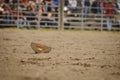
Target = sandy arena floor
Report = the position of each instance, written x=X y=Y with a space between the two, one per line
x=75 y=55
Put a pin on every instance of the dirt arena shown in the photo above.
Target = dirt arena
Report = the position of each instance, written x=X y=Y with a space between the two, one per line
x=75 y=55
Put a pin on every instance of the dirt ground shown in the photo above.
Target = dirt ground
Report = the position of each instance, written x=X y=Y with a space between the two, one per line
x=75 y=55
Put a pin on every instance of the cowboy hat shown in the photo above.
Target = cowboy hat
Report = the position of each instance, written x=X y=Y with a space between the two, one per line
x=40 y=48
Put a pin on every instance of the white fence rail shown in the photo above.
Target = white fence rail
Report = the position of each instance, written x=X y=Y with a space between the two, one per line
x=71 y=19
x=25 y=17
x=92 y=21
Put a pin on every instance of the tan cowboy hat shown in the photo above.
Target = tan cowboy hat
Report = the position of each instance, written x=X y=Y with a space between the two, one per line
x=40 y=48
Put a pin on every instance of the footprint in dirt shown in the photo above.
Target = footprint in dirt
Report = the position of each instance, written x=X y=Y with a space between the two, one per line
x=7 y=39
x=32 y=78
x=115 y=73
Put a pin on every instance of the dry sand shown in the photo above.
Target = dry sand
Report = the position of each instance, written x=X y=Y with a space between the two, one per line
x=75 y=55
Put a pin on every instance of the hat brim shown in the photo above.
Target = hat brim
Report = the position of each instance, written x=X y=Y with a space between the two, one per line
x=40 y=48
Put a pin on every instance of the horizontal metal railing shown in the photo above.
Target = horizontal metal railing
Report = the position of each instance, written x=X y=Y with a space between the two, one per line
x=70 y=19
x=93 y=21
x=42 y=20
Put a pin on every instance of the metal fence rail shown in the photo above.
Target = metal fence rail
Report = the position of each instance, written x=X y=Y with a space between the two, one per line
x=58 y=17
x=21 y=17
x=76 y=20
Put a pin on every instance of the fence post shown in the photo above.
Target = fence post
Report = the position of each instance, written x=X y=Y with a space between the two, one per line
x=102 y=14
x=61 y=27
x=82 y=25
x=18 y=12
